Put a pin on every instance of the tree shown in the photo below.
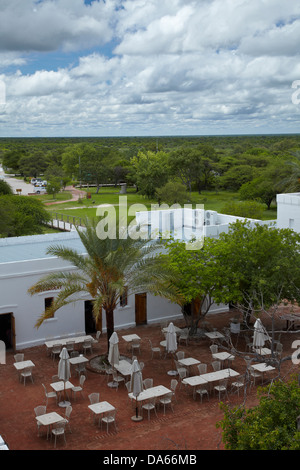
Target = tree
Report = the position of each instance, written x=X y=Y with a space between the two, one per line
x=111 y=266
x=172 y=193
x=271 y=425
x=235 y=176
x=5 y=188
x=185 y=165
x=151 y=171
x=54 y=186
x=247 y=209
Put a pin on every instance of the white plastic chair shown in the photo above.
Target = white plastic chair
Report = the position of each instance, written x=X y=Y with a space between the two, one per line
x=59 y=430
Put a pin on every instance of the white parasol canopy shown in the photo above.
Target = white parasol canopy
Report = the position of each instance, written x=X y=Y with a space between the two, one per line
x=64 y=371
x=136 y=384
x=171 y=339
x=260 y=334
x=113 y=353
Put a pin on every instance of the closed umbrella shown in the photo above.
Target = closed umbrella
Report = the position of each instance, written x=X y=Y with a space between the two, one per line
x=113 y=353
x=260 y=334
x=64 y=372
x=171 y=345
x=136 y=385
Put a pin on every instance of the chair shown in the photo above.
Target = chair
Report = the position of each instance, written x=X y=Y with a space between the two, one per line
x=97 y=337
x=56 y=350
x=254 y=375
x=79 y=388
x=108 y=418
x=117 y=378
x=80 y=369
x=70 y=346
x=135 y=345
x=67 y=416
x=201 y=390
x=182 y=375
x=142 y=365
x=26 y=373
x=19 y=357
x=213 y=348
x=49 y=395
x=173 y=387
x=216 y=365
x=149 y=405
x=237 y=385
x=180 y=355
x=147 y=383
x=40 y=410
x=59 y=430
x=249 y=344
x=278 y=350
x=87 y=346
x=55 y=378
x=222 y=387
x=183 y=337
x=94 y=398
x=154 y=349
x=74 y=354
x=202 y=368
x=108 y=371
x=179 y=368
x=167 y=400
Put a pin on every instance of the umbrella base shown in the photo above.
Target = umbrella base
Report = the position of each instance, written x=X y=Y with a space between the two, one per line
x=64 y=404
x=137 y=418
x=172 y=372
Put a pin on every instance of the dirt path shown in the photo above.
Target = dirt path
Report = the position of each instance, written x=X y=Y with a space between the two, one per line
x=76 y=194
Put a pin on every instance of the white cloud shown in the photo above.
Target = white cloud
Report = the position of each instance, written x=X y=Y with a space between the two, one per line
x=184 y=66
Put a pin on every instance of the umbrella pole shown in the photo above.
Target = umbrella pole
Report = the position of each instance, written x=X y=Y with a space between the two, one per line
x=136 y=417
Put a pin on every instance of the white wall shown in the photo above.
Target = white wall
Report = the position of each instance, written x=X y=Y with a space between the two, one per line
x=288 y=211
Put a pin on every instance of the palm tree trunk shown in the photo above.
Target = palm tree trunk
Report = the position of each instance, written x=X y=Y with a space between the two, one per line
x=110 y=324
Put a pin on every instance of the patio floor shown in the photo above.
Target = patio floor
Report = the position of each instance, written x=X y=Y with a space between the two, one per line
x=191 y=427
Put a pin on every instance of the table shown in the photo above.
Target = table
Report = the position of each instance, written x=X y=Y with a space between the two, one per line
x=60 y=387
x=129 y=338
x=188 y=362
x=101 y=408
x=23 y=364
x=262 y=351
x=214 y=335
x=124 y=367
x=220 y=375
x=63 y=341
x=262 y=367
x=48 y=419
x=223 y=356
x=157 y=392
x=78 y=360
x=290 y=320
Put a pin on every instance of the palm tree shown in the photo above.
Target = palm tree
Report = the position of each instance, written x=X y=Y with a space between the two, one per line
x=108 y=268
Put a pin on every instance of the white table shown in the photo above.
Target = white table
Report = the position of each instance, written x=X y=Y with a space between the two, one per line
x=101 y=408
x=223 y=356
x=262 y=351
x=214 y=335
x=194 y=381
x=129 y=338
x=220 y=375
x=48 y=419
x=64 y=341
x=78 y=360
x=23 y=364
x=188 y=362
x=157 y=392
x=124 y=367
x=60 y=387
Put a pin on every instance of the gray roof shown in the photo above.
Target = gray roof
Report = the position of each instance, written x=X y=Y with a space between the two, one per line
x=35 y=246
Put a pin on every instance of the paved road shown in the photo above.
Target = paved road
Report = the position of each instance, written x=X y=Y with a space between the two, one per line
x=17 y=184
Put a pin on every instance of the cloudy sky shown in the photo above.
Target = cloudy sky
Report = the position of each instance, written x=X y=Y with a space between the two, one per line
x=149 y=67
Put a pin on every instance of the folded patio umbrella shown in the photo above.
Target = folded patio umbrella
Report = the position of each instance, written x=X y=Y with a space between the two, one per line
x=113 y=353
x=64 y=372
x=136 y=386
x=260 y=334
x=171 y=346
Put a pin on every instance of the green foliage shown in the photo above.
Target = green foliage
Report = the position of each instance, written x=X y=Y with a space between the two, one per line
x=54 y=186
x=247 y=209
x=271 y=425
x=5 y=188
x=151 y=172
x=21 y=215
x=172 y=193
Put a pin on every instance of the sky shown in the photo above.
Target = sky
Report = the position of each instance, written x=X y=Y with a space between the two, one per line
x=149 y=67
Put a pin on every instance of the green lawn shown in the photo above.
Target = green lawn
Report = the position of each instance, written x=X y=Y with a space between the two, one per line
x=211 y=200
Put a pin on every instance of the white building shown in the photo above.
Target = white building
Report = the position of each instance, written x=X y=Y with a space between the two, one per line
x=288 y=211
x=23 y=261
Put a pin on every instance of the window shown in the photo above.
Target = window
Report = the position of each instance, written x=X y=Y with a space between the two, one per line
x=48 y=303
x=123 y=298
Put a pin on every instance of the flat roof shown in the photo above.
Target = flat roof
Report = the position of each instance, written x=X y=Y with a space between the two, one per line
x=35 y=246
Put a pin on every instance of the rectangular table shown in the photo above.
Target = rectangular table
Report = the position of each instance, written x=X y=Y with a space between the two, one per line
x=78 y=360
x=223 y=356
x=63 y=341
x=23 y=364
x=214 y=335
x=189 y=362
x=129 y=338
x=220 y=375
x=101 y=408
x=262 y=351
x=48 y=419
x=157 y=392
x=124 y=367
